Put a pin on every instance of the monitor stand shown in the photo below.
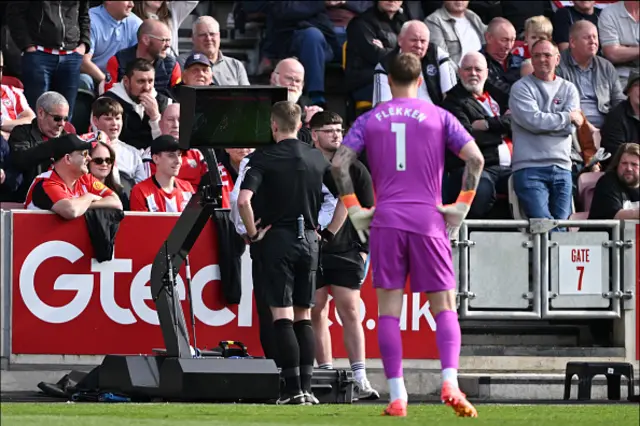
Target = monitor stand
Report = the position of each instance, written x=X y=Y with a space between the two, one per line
x=176 y=375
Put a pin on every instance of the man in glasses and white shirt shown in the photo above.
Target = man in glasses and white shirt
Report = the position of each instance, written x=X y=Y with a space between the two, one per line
x=29 y=155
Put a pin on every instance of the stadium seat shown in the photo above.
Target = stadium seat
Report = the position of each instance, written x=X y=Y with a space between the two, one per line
x=516 y=211
x=586 y=188
x=586 y=372
x=82 y=110
x=8 y=80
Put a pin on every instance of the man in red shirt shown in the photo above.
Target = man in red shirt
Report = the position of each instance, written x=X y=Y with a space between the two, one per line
x=68 y=189
x=163 y=192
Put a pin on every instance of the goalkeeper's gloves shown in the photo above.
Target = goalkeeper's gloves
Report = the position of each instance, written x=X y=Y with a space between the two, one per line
x=455 y=213
x=359 y=216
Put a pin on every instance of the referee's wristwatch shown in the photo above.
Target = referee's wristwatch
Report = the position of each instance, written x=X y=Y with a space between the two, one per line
x=254 y=238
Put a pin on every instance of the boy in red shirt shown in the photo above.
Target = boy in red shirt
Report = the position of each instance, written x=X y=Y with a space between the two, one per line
x=163 y=192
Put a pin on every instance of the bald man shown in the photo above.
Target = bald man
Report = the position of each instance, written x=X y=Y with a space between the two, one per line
x=289 y=73
x=438 y=72
x=594 y=76
x=476 y=104
x=205 y=38
x=154 y=40
x=504 y=69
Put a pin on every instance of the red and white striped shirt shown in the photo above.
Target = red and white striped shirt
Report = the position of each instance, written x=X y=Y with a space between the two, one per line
x=13 y=102
x=227 y=186
x=148 y=196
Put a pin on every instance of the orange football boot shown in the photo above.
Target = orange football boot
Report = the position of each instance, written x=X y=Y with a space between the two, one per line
x=397 y=408
x=454 y=398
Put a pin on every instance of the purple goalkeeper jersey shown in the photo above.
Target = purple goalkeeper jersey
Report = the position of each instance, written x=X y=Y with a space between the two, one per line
x=405 y=141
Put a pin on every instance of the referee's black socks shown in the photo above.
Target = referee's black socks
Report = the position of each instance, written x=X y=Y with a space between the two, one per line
x=304 y=333
x=289 y=355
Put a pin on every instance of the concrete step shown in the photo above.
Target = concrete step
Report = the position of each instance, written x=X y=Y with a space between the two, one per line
x=501 y=350
x=422 y=384
x=519 y=339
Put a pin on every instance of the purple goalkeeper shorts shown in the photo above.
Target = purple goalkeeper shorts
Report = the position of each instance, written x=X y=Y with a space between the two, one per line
x=395 y=254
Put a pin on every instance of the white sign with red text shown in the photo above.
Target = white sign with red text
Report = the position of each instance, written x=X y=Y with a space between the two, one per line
x=580 y=270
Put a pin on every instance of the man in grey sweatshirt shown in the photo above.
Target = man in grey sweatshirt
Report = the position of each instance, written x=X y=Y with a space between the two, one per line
x=545 y=110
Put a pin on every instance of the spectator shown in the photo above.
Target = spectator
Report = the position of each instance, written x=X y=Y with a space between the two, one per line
x=205 y=36
x=472 y=102
x=15 y=108
x=101 y=166
x=342 y=12
x=10 y=179
x=107 y=117
x=595 y=77
x=518 y=11
x=69 y=189
x=304 y=30
x=141 y=103
x=620 y=36
x=53 y=36
x=171 y=13
x=504 y=69
x=456 y=29
x=193 y=164
x=289 y=73
x=565 y=17
x=535 y=28
x=438 y=72
x=370 y=37
x=153 y=41
x=545 y=111
x=623 y=121
x=113 y=28
x=164 y=191
x=197 y=72
x=617 y=193
x=29 y=155
x=229 y=168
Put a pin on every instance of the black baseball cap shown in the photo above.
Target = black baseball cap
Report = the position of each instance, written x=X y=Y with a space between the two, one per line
x=197 y=58
x=67 y=144
x=164 y=143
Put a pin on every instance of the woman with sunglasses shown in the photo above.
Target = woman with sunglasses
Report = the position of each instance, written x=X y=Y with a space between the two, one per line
x=101 y=167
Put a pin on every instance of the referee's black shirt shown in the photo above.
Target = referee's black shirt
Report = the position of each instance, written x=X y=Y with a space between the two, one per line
x=289 y=175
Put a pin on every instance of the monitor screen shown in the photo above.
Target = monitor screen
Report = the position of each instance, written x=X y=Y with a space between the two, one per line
x=227 y=117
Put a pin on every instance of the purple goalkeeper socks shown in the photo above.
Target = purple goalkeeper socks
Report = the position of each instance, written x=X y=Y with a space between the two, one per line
x=390 y=344
x=448 y=338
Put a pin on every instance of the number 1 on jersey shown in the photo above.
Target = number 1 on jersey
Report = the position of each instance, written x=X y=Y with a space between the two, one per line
x=400 y=129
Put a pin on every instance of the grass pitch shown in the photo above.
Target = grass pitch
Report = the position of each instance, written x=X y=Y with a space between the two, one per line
x=84 y=414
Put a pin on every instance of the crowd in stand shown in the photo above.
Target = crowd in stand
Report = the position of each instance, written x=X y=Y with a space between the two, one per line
x=541 y=92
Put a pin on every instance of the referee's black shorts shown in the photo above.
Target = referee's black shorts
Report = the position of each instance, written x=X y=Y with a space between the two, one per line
x=345 y=269
x=289 y=266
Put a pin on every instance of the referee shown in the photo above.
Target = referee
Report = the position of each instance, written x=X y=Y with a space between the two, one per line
x=289 y=174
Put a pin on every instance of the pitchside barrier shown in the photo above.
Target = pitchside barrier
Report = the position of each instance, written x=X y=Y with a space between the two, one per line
x=57 y=300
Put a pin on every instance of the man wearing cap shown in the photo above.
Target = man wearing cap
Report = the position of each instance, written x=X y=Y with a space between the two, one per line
x=623 y=122
x=69 y=189
x=196 y=72
x=163 y=192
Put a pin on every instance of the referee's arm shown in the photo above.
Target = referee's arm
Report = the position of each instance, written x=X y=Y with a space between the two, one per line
x=250 y=185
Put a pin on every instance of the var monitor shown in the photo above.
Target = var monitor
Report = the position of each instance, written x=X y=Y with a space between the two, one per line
x=227 y=116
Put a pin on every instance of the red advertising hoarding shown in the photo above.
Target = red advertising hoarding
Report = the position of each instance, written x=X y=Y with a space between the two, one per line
x=64 y=302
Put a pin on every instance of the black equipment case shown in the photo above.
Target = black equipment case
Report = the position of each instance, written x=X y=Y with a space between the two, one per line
x=333 y=386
